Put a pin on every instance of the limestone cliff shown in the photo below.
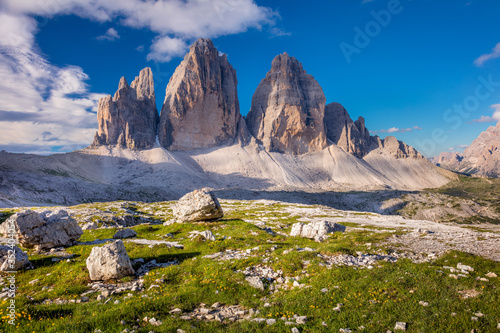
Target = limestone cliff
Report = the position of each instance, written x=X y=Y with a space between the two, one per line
x=129 y=119
x=201 y=107
x=287 y=109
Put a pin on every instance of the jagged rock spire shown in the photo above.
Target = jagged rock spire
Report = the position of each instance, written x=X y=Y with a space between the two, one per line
x=129 y=119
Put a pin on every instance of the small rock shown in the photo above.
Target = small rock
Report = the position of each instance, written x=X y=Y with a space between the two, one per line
x=216 y=305
x=124 y=233
x=400 y=326
x=295 y=330
x=116 y=302
x=301 y=319
x=89 y=226
x=345 y=330
x=176 y=311
x=479 y=314
x=491 y=275
x=271 y=322
x=465 y=268
x=255 y=282
x=423 y=303
x=85 y=299
x=155 y=322
x=474 y=318
x=180 y=331
x=324 y=290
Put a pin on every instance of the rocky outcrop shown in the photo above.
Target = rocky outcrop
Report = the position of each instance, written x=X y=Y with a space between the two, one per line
x=108 y=262
x=43 y=230
x=129 y=119
x=199 y=205
x=201 y=107
x=316 y=230
x=354 y=138
x=124 y=233
x=481 y=158
x=13 y=259
x=287 y=109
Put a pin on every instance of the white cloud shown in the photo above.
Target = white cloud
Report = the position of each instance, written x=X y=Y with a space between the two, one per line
x=182 y=20
x=110 y=35
x=37 y=98
x=494 y=118
x=495 y=53
x=166 y=48
x=397 y=130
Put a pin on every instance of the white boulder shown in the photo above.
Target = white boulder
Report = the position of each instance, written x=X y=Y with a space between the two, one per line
x=199 y=205
x=110 y=261
x=316 y=230
x=43 y=230
x=13 y=259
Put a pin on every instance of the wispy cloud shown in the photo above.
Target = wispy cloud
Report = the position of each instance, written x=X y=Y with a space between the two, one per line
x=397 y=130
x=176 y=22
x=110 y=35
x=495 y=53
x=487 y=119
x=37 y=98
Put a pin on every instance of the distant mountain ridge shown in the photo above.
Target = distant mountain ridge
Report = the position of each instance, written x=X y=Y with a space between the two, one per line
x=481 y=158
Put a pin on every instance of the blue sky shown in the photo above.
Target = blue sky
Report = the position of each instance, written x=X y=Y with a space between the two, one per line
x=424 y=71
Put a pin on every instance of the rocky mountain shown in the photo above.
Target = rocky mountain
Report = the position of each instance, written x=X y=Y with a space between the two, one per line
x=201 y=107
x=287 y=109
x=354 y=138
x=481 y=158
x=129 y=119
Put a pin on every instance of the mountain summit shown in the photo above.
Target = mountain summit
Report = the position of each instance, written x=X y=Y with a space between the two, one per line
x=481 y=158
x=201 y=107
x=129 y=119
x=287 y=109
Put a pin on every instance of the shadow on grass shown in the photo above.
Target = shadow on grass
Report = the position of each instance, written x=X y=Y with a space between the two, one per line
x=47 y=261
x=164 y=258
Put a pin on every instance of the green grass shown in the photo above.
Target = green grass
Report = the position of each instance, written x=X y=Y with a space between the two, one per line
x=374 y=298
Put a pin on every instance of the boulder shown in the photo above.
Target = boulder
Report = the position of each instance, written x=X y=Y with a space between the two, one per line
x=44 y=230
x=287 y=109
x=316 y=230
x=13 y=259
x=110 y=261
x=199 y=205
x=129 y=119
x=201 y=107
x=124 y=233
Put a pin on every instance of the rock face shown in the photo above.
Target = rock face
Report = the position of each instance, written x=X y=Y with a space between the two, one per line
x=199 y=205
x=129 y=119
x=13 y=259
x=44 y=230
x=110 y=261
x=316 y=230
x=201 y=107
x=481 y=158
x=287 y=109
x=354 y=138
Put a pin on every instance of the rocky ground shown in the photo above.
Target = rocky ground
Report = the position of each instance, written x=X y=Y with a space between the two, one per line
x=382 y=273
